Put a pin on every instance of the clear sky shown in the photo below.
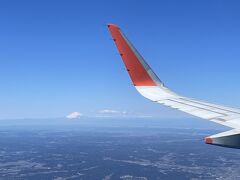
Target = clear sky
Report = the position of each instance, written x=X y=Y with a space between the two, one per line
x=56 y=57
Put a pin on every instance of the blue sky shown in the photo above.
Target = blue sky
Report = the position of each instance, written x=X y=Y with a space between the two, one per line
x=56 y=57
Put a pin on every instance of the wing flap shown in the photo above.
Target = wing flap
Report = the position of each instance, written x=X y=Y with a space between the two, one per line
x=191 y=109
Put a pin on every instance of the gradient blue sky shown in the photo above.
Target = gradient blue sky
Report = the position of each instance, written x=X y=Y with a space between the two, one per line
x=57 y=57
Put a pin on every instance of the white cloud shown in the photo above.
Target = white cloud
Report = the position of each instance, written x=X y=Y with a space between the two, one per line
x=74 y=115
x=109 y=111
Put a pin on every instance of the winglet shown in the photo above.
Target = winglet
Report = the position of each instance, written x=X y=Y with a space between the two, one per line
x=139 y=71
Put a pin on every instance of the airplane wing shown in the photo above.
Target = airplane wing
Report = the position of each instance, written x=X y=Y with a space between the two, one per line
x=150 y=86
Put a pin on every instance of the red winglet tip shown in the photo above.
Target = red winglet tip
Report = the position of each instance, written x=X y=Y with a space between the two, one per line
x=138 y=72
x=112 y=25
x=208 y=140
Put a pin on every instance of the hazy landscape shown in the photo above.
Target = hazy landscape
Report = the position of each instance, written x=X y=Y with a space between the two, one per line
x=113 y=149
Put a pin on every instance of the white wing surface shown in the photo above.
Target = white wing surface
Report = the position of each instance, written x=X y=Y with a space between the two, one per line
x=150 y=86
